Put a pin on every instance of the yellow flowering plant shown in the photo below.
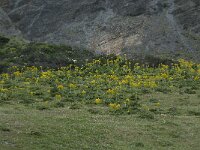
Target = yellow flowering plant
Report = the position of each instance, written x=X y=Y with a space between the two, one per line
x=108 y=81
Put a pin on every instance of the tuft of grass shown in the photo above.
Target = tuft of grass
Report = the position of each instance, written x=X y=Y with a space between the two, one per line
x=190 y=91
x=144 y=114
x=4 y=128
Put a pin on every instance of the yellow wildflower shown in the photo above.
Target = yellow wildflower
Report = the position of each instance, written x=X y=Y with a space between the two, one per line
x=114 y=106
x=71 y=85
x=164 y=75
x=83 y=92
x=60 y=87
x=157 y=104
x=113 y=77
x=134 y=84
x=46 y=75
x=3 y=90
x=196 y=78
x=98 y=101
x=93 y=82
x=5 y=75
x=17 y=73
x=125 y=81
x=110 y=91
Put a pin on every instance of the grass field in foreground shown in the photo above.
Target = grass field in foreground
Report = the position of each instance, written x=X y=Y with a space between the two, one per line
x=22 y=127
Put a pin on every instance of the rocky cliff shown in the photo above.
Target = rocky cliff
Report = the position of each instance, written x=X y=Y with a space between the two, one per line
x=170 y=27
x=6 y=26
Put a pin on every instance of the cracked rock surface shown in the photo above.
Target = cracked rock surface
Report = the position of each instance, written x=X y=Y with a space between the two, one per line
x=156 y=27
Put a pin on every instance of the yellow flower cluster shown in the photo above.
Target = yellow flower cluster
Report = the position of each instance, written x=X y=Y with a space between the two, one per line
x=46 y=75
x=71 y=85
x=112 y=81
x=98 y=101
x=17 y=74
x=114 y=106
x=111 y=91
x=60 y=87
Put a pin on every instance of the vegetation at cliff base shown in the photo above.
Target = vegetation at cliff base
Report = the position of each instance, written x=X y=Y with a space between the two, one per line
x=17 y=52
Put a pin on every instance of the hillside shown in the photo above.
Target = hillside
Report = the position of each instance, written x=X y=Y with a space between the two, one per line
x=158 y=27
x=99 y=74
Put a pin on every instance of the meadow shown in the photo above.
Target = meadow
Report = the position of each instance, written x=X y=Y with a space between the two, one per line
x=115 y=83
x=108 y=103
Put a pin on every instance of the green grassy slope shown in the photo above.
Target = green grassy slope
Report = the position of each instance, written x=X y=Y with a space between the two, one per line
x=64 y=128
x=109 y=103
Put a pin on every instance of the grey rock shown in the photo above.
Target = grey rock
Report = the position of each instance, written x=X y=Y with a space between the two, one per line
x=156 y=27
x=6 y=26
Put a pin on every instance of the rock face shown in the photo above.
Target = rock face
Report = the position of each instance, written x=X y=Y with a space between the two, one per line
x=6 y=26
x=109 y=26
